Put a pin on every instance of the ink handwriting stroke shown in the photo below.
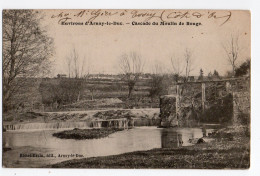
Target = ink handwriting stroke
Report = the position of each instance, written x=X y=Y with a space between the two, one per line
x=144 y=15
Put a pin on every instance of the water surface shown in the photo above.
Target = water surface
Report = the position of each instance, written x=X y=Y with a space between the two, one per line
x=136 y=139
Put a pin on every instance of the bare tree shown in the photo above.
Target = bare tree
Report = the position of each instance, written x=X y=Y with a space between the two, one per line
x=26 y=49
x=158 y=83
x=177 y=66
x=189 y=63
x=158 y=68
x=75 y=58
x=183 y=67
x=82 y=67
x=132 y=66
x=231 y=49
x=76 y=69
x=76 y=65
x=68 y=61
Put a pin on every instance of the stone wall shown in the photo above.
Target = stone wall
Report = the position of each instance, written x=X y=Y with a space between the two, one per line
x=241 y=101
x=241 y=107
x=168 y=111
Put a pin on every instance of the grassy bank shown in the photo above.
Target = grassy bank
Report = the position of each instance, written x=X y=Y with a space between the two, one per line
x=80 y=134
x=229 y=149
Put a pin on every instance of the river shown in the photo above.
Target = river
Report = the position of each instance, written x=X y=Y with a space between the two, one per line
x=41 y=142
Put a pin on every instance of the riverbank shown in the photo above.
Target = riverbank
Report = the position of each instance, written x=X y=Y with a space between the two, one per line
x=230 y=149
x=80 y=134
x=77 y=116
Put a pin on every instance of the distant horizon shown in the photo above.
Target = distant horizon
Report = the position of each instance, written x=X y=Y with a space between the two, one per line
x=118 y=74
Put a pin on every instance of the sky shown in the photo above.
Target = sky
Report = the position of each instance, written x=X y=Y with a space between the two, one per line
x=102 y=46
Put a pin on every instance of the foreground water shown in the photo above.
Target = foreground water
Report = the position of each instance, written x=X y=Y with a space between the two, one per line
x=40 y=148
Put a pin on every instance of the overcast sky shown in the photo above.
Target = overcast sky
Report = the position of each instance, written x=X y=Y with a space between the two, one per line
x=103 y=45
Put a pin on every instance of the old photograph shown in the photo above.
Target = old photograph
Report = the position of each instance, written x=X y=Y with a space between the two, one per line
x=126 y=89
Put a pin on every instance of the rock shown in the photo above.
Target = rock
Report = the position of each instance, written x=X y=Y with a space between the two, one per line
x=197 y=141
x=200 y=141
x=193 y=141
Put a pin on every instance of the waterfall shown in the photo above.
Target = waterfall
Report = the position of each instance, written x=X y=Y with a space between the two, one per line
x=96 y=124
x=113 y=123
x=53 y=125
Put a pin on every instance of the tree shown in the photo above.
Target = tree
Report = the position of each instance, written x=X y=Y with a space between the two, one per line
x=229 y=74
x=232 y=51
x=71 y=89
x=61 y=91
x=76 y=69
x=76 y=65
x=185 y=65
x=50 y=92
x=68 y=61
x=210 y=76
x=157 y=68
x=132 y=66
x=215 y=75
x=201 y=75
x=243 y=69
x=178 y=67
x=26 y=49
x=188 y=64
x=73 y=63
x=158 y=84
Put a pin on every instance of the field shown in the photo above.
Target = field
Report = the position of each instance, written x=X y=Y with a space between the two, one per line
x=96 y=93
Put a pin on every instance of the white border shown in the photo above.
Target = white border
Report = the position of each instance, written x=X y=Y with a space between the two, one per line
x=252 y=5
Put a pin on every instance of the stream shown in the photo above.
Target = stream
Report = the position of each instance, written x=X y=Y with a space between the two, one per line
x=38 y=148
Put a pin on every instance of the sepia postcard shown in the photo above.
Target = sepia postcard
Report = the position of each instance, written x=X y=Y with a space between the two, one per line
x=126 y=88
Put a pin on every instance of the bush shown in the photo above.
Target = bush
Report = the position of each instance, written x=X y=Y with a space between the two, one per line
x=220 y=112
x=158 y=86
x=244 y=119
x=243 y=69
x=61 y=91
